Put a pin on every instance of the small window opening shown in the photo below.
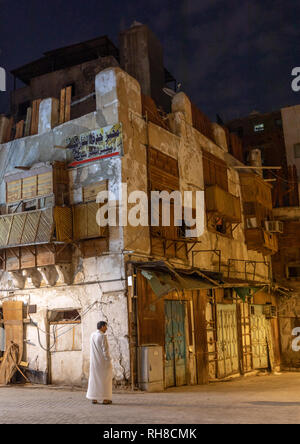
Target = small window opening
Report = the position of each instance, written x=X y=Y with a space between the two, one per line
x=64 y=316
x=259 y=127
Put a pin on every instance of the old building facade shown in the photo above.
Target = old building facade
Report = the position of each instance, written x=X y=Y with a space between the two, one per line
x=181 y=310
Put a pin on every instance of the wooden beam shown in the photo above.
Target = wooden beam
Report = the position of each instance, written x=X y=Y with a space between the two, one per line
x=62 y=106
x=19 y=129
x=28 y=122
x=68 y=103
x=257 y=167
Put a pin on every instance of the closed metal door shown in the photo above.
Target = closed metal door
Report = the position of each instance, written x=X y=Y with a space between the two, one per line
x=227 y=345
x=259 y=337
x=175 y=343
x=246 y=337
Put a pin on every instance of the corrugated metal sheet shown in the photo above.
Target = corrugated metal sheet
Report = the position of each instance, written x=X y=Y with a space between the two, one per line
x=163 y=283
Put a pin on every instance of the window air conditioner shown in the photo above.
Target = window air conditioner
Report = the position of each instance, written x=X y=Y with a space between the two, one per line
x=274 y=226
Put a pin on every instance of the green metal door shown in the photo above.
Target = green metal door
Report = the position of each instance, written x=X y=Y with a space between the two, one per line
x=259 y=337
x=175 y=344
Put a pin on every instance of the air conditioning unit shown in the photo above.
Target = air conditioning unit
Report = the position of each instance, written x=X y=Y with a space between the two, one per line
x=270 y=311
x=274 y=226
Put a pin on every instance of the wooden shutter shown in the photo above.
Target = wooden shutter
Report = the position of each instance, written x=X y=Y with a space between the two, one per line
x=214 y=170
x=45 y=183
x=13 y=191
x=29 y=187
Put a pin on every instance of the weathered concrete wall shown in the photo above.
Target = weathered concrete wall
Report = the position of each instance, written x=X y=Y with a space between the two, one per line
x=97 y=281
x=185 y=144
x=290 y=119
x=49 y=85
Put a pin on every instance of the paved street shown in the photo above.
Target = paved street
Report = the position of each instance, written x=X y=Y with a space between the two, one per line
x=254 y=399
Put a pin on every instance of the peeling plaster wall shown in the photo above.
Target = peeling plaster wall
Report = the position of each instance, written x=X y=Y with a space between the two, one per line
x=185 y=144
x=101 y=280
x=97 y=281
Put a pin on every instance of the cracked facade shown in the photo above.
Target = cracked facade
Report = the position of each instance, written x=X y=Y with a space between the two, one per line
x=196 y=308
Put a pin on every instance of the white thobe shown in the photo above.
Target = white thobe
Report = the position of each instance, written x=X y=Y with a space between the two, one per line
x=100 y=379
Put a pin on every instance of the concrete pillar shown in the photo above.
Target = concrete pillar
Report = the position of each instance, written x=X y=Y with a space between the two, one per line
x=181 y=103
x=48 y=114
x=255 y=160
x=220 y=136
x=3 y=127
x=117 y=93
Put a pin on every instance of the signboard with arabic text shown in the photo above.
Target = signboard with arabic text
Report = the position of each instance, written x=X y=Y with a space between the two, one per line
x=95 y=145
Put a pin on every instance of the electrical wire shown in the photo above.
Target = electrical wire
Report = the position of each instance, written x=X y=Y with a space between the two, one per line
x=54 y=335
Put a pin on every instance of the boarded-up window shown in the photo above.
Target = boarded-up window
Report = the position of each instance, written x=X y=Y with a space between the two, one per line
x=85 y=215
x=13 y=191
x=45 y=184
x=85 y=222
x=90 y=192
x=29 y=187
x=215 y=171
x=163 y=171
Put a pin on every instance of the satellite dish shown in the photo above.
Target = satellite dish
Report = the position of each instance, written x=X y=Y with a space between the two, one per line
x=169 y=92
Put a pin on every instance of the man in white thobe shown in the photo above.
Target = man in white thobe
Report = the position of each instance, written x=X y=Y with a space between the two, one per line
x=100 y=379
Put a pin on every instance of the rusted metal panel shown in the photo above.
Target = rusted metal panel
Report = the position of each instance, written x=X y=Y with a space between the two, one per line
x=227 y=342
x=150 y=314
x=201 y=347
x=175 y=343
x=244 y=337
x=276 y=341
x=259 y=337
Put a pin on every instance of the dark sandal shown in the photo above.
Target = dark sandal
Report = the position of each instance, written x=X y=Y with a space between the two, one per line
x=107 y=401
x=94 y=401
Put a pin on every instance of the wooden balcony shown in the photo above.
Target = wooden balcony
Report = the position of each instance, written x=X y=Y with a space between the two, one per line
x=260 y=240
x=36 y=227
x=255 y=189
x=223 y=204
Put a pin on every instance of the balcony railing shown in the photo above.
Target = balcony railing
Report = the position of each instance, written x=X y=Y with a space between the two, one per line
x=223 y=204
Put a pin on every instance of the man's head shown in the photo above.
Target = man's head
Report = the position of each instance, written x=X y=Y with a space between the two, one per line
x=102 y=326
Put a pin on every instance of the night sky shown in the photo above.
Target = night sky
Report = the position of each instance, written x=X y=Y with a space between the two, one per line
x=231 y=56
